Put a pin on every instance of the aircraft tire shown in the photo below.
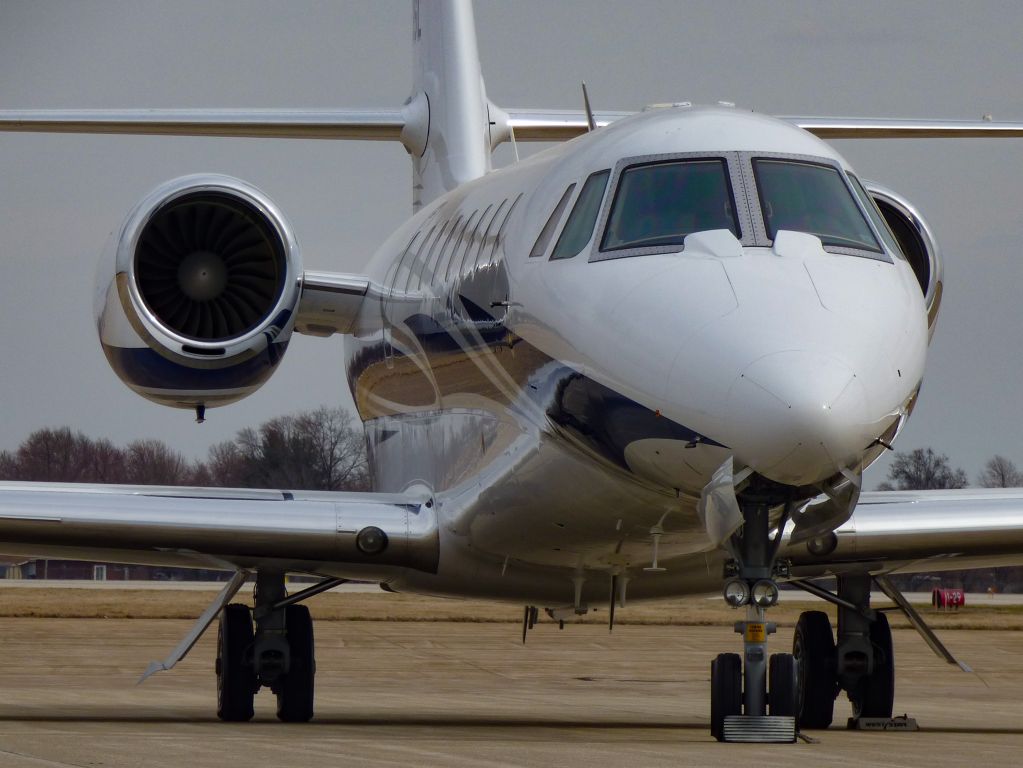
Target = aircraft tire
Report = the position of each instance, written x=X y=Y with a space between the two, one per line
x=874 y=694
x=296 y=690
x=813 y=646
x=725 y=691
x=236 y=683
x=781 y=675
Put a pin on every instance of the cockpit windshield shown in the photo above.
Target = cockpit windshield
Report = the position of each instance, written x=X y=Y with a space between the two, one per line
x=804 y=197
x=659 y=204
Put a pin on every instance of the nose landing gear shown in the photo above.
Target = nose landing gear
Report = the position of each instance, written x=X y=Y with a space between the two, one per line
x=753 y=696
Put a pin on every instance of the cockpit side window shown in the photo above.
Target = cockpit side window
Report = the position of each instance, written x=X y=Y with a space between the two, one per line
x=579 y=227
x=811 y=198
x=540 y=246
x=661 y=203
x=875 y=216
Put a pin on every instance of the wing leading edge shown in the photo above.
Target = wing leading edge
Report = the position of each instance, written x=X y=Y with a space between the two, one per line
x=914 y=531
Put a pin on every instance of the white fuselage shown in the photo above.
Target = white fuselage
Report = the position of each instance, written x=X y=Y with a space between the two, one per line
x=560 y=408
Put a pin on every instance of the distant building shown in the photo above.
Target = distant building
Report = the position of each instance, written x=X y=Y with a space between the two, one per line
x=82 y=569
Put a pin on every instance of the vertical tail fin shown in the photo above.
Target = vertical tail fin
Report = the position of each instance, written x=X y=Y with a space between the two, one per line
x=448 y=128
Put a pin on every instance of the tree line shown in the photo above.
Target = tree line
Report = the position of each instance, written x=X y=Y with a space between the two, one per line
x=922 y=469
x=314 y=450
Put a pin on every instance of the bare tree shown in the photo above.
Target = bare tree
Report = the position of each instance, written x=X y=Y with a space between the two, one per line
x=999 y=472
x=316 y=450
x=339 y=450
x=8 y=466
x=923 y=469
x=226 y=465
x=54 y=455
x=106 y=463
x=153 y=462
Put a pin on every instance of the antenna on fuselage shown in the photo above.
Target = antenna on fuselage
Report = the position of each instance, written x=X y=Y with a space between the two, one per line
x=589 y=111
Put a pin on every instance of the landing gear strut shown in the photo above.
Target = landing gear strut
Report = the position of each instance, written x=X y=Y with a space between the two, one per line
x=753 y=697
x=866 y=663
x=279 y=654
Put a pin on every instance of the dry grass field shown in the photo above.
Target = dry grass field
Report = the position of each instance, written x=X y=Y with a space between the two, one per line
x=127 y=603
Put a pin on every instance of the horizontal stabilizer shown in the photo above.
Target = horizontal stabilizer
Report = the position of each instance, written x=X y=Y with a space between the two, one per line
x=895 y=128
x=381 y=125
x=388 y=124
x=555 y=124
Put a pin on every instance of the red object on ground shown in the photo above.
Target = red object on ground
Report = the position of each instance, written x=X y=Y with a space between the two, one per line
x=948 y=599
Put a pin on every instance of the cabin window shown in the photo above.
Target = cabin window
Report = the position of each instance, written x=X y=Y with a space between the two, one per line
x=659 y=204
x=465 y=265
x=486 y=235
x=407 y=267
x=434 y=269
x=810 y=198
x=425 y=270
x=540 y=246
x=392 y=278
x=499 y=240
x=464 y=240
x=579 y=227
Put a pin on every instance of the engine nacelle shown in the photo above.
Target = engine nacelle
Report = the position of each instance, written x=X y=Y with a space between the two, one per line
x=201 y=303
x=916 y=241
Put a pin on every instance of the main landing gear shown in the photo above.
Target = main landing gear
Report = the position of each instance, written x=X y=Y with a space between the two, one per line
x=278 y=653
x=861 y=662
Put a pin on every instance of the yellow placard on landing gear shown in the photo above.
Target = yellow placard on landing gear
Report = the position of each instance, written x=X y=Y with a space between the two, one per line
x=755 y=633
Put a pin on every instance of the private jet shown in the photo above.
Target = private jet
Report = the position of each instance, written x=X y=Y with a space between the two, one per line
x=652 y=360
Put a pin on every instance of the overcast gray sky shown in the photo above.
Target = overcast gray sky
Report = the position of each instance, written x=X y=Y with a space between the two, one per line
x=61 y=197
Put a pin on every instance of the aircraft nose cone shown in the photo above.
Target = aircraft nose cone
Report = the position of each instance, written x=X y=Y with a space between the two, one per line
x=804 y=416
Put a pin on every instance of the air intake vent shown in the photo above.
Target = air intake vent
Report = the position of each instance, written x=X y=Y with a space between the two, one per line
x=209 y=266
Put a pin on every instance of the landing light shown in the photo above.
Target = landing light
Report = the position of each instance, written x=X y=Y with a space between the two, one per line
x=371 y=540
x=765 y=593
x=736 y=592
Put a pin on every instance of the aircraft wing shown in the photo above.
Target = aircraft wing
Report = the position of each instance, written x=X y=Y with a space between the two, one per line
x=238 y=529
x=915 y=531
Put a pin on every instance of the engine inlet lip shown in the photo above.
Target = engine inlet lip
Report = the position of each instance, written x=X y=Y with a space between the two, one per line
x=258 y=204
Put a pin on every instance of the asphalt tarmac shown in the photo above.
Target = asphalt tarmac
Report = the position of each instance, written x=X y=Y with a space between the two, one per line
x=464 y=694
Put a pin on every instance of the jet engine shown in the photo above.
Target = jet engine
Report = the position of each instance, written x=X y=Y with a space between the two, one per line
x=917 y=243
x=200 y=303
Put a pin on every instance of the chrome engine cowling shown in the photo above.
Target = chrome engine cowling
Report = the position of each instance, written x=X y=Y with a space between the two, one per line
x=917 y=243
x=200 y=304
